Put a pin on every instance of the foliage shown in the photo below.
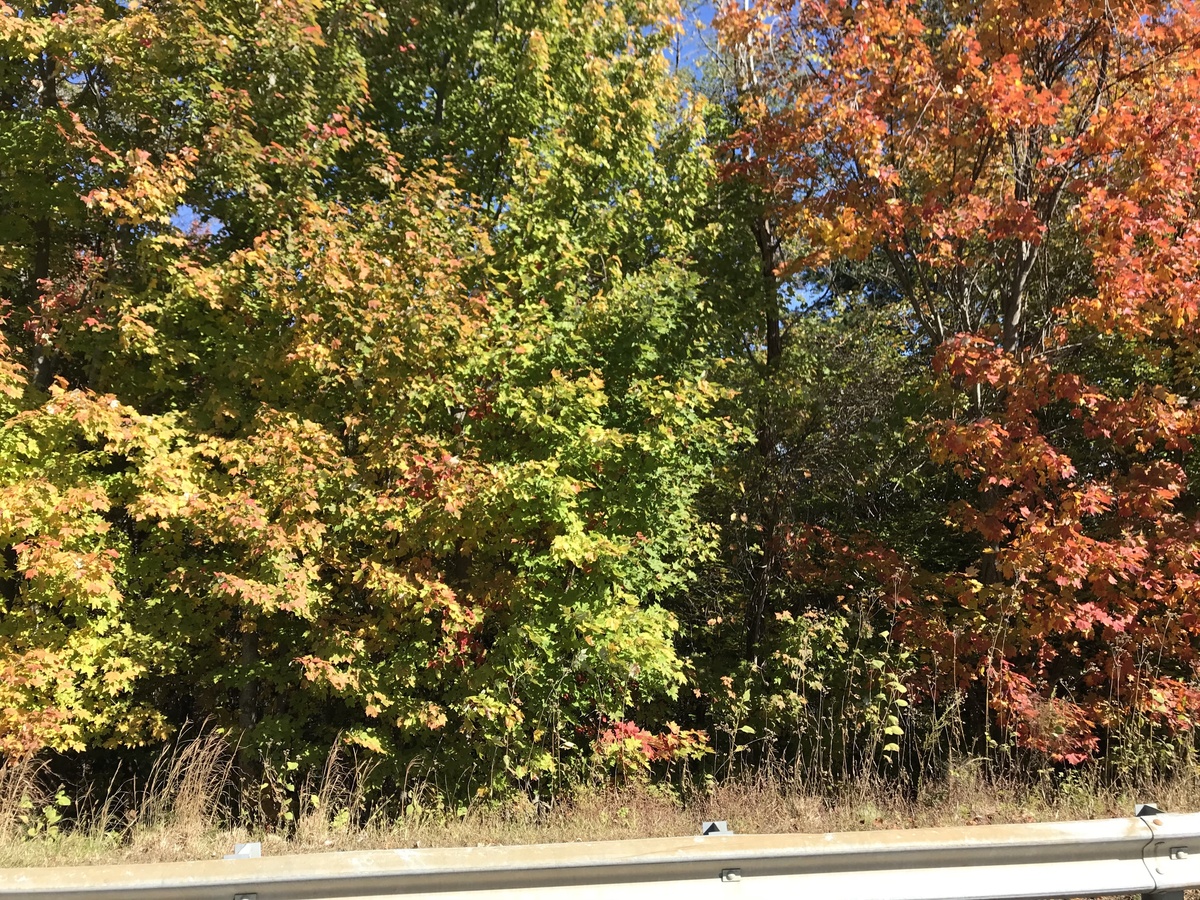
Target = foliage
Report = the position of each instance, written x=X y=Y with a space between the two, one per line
x=307 y=436
x=450 y=381
x=1022 y=177
x=629 y=751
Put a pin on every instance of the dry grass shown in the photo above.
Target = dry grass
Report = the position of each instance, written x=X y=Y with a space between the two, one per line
x=20 y=791
x=177 y=813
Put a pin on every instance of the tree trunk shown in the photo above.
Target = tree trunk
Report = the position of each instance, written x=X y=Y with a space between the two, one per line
x=44 y=359
x=758 y=603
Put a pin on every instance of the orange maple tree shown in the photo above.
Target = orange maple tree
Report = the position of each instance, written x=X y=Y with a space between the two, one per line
x=1024 y=176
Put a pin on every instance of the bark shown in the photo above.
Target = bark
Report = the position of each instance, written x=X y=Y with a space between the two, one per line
x=248 y=696
x=44 y=361
x=758 y=602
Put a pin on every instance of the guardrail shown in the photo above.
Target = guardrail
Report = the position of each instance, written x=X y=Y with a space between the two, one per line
x=1155 y=854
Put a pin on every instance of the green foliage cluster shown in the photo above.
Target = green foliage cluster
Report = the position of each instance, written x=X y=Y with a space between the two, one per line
x=356 y=376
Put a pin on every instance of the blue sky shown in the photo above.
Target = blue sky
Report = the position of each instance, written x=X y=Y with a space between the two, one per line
x=698 y=17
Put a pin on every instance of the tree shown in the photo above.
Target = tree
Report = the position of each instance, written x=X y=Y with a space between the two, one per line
x=341 y=443
x=1021 y=177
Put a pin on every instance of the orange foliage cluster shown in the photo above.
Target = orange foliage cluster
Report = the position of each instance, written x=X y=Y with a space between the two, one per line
x=976 y=151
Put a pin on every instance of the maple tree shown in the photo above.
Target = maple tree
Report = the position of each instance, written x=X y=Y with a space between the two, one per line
x=1023 y=178
x=309 y=434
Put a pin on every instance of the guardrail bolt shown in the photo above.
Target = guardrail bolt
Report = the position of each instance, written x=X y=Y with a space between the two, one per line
x=731 y=875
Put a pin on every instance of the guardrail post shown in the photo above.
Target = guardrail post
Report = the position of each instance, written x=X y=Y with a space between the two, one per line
x=1169 y=856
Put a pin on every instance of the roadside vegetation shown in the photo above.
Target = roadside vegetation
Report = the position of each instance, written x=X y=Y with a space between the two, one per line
x=556 y=408
x=196 y=805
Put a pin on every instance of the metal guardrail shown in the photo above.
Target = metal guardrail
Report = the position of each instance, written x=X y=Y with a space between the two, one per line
x=1157 y=855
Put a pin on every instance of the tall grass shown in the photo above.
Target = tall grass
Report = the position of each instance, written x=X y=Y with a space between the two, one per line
x=196 y=802
x=22 y=790
x=188 y=786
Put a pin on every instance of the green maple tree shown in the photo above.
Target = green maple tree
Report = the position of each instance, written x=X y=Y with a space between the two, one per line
x=308 y=430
